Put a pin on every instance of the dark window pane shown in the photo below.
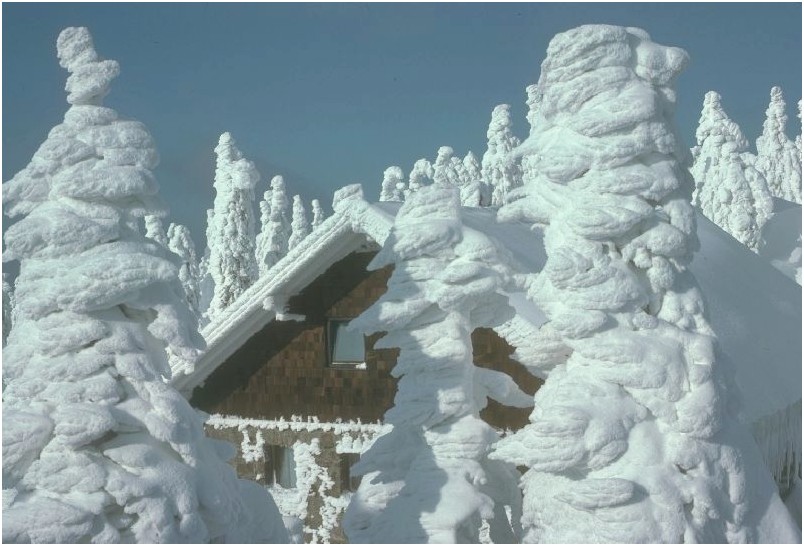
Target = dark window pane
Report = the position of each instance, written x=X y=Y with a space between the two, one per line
x=346 y=346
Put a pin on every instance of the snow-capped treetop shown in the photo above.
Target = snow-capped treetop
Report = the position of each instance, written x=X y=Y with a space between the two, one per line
x=777 y=156
x=499 y=167
x=232 y=263
x=275 y=234
x=318 y=214
x=154 y=229
x=420 y=175
x=89 y=76
x=393 y=184
x=300 y=226
x=443 y=169
x=632 y=424
x=729 y=190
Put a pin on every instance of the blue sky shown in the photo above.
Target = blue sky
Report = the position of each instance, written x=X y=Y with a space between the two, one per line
x=332 y=94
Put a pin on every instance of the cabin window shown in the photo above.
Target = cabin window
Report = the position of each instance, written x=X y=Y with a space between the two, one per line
x=349 y=482
x=280 y=466
x=347 y=347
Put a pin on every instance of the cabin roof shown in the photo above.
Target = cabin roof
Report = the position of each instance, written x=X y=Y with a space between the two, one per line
x=754 y=309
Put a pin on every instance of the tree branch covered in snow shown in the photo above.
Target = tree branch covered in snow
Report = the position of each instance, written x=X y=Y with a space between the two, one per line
x=181 y=244
x=97 y=447
x=633 y=437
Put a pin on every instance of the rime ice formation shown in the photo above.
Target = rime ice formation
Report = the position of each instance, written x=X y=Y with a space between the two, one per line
x=428 y=479
x=393 y=184
x=474 y=183
x=798 y=136
x=97 y=447
x=275 y=233
x=155 y=230
x=729 y=191
x=299 y=225
x=777 y=157
x=633 y=438
x=181 y=244
x=420 y=175
x=500 y=169
x=318 y=214
x=533 y=100
x=444 y=174
x=232 y=263
x=8 y=308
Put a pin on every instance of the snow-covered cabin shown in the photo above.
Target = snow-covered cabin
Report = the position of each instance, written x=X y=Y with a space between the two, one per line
x=303 y=395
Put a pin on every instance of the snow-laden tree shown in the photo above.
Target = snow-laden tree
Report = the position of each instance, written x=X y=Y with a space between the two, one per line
x=8 y=308
x=205 y=285
x=155 y=230
x=318 y=214
x=500 y=169
x=181 y=244
x=428 y=480
x=299 y=224
x=778 y=158
x=798 y=136
x=97 y=447
x=275 y=232
x=474 y=176
x=232 y=262
x=533 y=101
x=729 y=190
x=420 y=175
x=444 y=174
x=393 y=184
x=633 y=438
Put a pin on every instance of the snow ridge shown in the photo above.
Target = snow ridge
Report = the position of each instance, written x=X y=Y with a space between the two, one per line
x=632 y=438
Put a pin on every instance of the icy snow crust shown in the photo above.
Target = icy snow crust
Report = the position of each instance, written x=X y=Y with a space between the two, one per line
x=96 y=446
x=632 y=437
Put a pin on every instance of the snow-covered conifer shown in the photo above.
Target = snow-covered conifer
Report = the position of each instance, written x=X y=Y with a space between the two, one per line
x=633 y=438
x=393 y=184
x=420 y=175
x=232 y=262
x=275 y=233
x=777 y=157
x=299 y=225
x=500 y=169
x=181 y=244
x=155 y=230
x=729 y=190
x=474 y=176
x=8 y=308
x=97 y=446
x=428 y=480
x=443 y=172
x=533 y=101
x=318 y=214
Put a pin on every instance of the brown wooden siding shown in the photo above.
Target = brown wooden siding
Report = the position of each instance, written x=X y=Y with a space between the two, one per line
x=282 y=370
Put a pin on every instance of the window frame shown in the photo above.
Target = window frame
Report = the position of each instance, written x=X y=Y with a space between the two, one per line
x=330 y=346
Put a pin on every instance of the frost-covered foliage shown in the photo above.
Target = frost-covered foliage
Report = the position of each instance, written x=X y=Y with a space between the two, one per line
x=444 y=174
x=155 y=230
x=798 y=136
x=275 y=233
x=181 y=244
x=8 y=308
x=97 y=447
x=475 y=182
x=318 y=214
x=232 y=264
x=420 y=175
x=393 y=184
x=633 y=437
x=299 y=225
x=428 y=479
x=729 y=190
x=500 y=168
x=533 y=100
x=778 y=158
